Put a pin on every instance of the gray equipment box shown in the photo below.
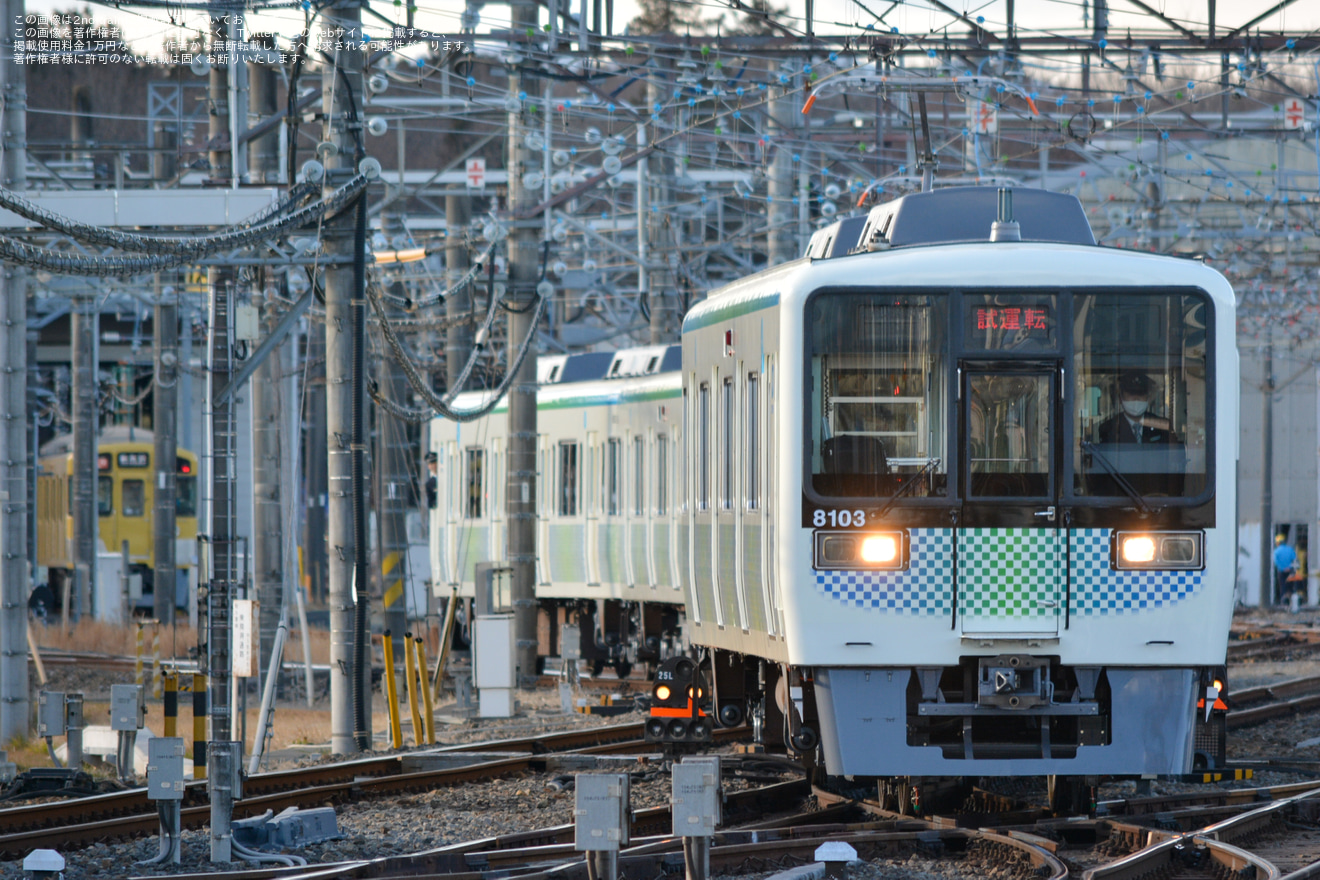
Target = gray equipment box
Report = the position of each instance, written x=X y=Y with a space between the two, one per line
x=494 y=588
x=696 y=798
x=127 y=710
x=600 y=812
x=165 y=780
x=570 y=648
x=50 y=714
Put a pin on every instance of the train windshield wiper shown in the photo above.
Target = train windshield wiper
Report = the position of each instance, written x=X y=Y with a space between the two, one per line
x=1130 y=490
x=930 y=465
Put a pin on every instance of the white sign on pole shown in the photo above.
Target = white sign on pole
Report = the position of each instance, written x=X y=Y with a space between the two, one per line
x=982 y=117
x=1294 y=114
x=476 y=173
x=247 y=639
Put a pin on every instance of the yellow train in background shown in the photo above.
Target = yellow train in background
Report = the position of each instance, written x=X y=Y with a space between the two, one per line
x=125 y=496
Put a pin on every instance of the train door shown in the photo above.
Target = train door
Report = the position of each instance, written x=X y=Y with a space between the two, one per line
x=1010 y=550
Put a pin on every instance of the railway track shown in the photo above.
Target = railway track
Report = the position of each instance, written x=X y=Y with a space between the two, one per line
x=1257 y=704
x=70 y=825
x=1266 y=842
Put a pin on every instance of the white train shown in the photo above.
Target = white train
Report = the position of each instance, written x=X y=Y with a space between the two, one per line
x=608 y=502
x=938 y=505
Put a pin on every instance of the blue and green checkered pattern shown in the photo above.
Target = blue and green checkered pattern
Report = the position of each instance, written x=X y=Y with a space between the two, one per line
x=1009 y=572
x=924 y=589
x=1099 y=589
x=998 y=568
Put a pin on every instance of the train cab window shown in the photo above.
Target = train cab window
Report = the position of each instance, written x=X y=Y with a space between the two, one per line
x=613 y=452
x=105 y=489
x=879 y=394
x=568 y=478
x=185 y=496
x=1142 y=395
x=1008 y=435
x=661 y=473
x=639 y=475
x=133 y=497
x=476 y=460
x=752 y=445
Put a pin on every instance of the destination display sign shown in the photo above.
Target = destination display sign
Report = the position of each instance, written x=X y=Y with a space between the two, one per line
x=1007 y=322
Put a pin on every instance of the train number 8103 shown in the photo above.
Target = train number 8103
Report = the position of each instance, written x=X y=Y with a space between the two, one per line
x=837 y=518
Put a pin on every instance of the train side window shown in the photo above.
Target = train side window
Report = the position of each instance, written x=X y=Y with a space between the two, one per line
x=568 y=479
x=475 y=463
x=703 y=452
x=726 y=437
x=753 y=440
x=612 y=465
x=105 y=489
x=661 y=473
x=639 y=475
x=133 y=497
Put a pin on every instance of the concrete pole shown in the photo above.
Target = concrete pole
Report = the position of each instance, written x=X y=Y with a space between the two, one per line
x=314 y=467
x=268 y=526
x=1267 y=476
x=165 y=427
x=343 y=318
x=520 y=485
x=458 y=337
x=268 y=405
x=221 y=759
x=781 y=235
x=660 y=226
x=14 y=574
x=85 y=430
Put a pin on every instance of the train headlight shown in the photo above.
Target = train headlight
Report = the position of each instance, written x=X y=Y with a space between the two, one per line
x=1137 y=548
x=1158 y=550
x=861 y=550
x=879 y=548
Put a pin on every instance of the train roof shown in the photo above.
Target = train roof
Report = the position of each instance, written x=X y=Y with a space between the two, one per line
x=109 y=436
x=961 y=214
x=646 y=360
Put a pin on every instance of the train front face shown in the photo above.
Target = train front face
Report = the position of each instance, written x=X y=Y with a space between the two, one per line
x=1016 y=551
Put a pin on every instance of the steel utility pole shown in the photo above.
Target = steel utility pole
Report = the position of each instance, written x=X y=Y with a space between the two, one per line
x=222 y=759
x=14 y=559
x=395 y=465
x=344 y=237
x=458 y=336
x=165 y=427
x=524 y=263
x=83 y=323
x=268 y=408
x=315 y=493
x=660 y=227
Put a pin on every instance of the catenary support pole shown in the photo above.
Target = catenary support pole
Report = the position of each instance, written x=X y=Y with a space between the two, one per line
x=662 y=288
x=165 y=427
x=85 y=431
x=458 y=335
x=524 y=269
x=269 y=408
x=341 y=90
x=14 y=561
x=396 y=462
x=220 y=751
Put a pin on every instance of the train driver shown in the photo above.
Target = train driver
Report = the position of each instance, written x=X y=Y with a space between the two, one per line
x=1134 y=423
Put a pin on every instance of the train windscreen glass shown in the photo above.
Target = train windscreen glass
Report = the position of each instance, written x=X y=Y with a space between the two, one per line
x=1142 y=394
x=879 y=387
x=185 y=496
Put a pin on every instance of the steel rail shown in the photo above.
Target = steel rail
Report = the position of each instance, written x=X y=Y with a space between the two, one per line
x=73 y=824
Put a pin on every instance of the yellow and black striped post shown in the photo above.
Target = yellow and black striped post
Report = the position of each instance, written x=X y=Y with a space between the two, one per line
x=155 y=659
x=171 y=680
x=410 y=670
x=199 y=726
x=392 y=693
x=426 y=691
x=140 y=648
